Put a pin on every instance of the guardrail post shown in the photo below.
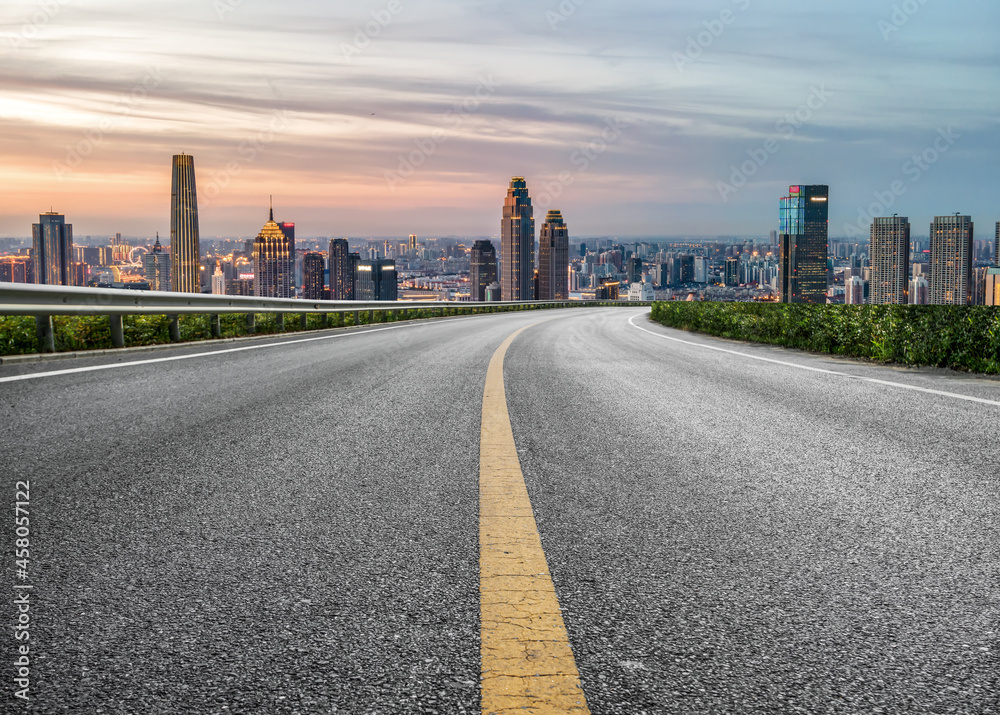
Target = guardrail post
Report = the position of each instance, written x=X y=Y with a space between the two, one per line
x=251 y=323
x=117 y=331
x=395 y=315
x=371 y=317
x=357 y=317
x=279 y=319
x=174 y=328
x=216 y=322
x=304 y=321
x=326 y=320
x=46 y=334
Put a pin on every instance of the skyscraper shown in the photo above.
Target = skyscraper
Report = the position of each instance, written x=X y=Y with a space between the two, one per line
x=732 y=276
x=52 y=249
x=413 y=245
x=553 y=258
x=890 y=261
x=313 y=267
x=803 y=233
x=951 y=260
x=483 y=261
x=288 y=229
x=633 y=269
x=517 y=243
x=377 y=280
x=341 y=270
x=996 y=249
x=157 y=265
x=185 y=248
x=272 y=262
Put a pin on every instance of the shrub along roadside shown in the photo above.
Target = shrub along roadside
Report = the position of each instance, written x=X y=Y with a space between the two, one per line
x=93 y=332
x=957 y=337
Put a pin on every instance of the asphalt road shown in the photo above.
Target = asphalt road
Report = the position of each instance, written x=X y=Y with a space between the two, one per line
x=295 y=529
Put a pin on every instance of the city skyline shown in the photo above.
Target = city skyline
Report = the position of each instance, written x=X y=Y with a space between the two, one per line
x=628 y=118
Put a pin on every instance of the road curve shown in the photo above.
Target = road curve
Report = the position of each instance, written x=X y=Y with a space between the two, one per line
x=295 y=529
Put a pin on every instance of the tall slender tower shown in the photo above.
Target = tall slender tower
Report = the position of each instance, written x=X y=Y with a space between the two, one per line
x=52 y=249
x=803 y=234
x=553 y=258
x=890 y=261
x=341 y=270
x=185 y=248
x=484 y=269
x=951 y=260
x=272 y=264
x=517 y=244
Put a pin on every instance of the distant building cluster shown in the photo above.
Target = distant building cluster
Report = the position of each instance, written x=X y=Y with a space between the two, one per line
x=796 y=263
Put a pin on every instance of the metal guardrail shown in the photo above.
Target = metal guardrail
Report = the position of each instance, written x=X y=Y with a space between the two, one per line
x=45 y=301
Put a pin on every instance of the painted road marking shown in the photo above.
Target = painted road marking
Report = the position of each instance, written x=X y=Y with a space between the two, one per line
x=887 y=383
x=152 y=361
x=527 y=662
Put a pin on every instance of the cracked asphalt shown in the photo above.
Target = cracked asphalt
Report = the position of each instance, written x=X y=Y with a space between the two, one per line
x=295 y=530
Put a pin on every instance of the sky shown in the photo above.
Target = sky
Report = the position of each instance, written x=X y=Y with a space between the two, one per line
x=649 y=118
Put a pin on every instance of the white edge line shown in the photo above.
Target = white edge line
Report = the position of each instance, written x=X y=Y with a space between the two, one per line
x=152 y=361
x=873 y=380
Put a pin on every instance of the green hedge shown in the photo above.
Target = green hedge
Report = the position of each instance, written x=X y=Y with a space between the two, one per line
x=958 y=337
x=93 y=332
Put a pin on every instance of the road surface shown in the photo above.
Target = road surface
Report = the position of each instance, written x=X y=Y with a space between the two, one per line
x=296 y=528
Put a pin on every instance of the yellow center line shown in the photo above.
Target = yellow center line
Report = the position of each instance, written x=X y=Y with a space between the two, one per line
x=527 y=661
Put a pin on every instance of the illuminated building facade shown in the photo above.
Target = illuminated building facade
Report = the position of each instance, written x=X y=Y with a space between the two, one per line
x=272 y=262
x=553 y=258
x=890 y=261
x=185 y=246
x=951 y=260
x=483 y=262
x=52 y=249
x=517 y=243
x=803 y=251
x=17 y=269
x=376 y=280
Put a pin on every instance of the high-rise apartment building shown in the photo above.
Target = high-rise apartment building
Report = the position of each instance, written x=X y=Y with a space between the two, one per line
x=413 y=245
x=919 y=291
x=517 y=243
x=376 y=280
x=732 y=277
x=992 y=292
x=272 y=262
x=313 y=270
x=854 y=291
x=157 y=266
x=342 y=271
x=803 y=237
x=890 y=261
x=483 y=264
x=52 y=249
x=951 y=260
x=553 y=258
x=185 y=246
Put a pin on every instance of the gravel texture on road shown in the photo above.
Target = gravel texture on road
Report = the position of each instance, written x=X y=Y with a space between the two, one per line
x=730 y=536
